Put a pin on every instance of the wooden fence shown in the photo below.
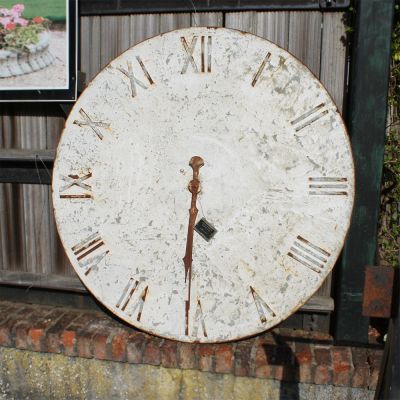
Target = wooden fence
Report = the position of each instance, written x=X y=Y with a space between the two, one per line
x=28 y=237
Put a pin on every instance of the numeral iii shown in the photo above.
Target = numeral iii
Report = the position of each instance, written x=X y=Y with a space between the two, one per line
x=327 y=186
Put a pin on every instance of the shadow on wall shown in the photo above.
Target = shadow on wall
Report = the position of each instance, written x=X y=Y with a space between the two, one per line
x=281 y=357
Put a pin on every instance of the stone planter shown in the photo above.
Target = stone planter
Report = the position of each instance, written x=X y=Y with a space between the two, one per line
x=16 y=62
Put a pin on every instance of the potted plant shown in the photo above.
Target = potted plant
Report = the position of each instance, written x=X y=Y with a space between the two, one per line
x=24 y=44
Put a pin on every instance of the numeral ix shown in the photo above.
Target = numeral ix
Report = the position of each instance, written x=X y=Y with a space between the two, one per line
x=76 y=180
x=308 y=254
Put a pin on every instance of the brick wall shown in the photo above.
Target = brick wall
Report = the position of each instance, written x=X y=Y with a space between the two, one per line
x=281 y=354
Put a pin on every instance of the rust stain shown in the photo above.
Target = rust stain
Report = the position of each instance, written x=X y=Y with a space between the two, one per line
x=378 y=292
x=195 y=163
x=91 y=250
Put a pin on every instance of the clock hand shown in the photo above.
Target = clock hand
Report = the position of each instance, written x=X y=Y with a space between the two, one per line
x=194 y=187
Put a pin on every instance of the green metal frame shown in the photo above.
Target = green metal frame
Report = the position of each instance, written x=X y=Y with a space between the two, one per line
x=369 y=80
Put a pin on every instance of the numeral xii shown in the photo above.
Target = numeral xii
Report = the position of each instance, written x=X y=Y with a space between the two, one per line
x=205 y=54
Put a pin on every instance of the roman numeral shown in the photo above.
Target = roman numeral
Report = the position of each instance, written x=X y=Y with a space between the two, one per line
x=267 y=60
x=263 y=308
x=205 y=54
x=308 y=254
x=85 y=248
x=327 y=186
x=94 y=125
x=76 y=180
x=128 y=293
x=132 y=78
x=199 y=321
x=309 y=117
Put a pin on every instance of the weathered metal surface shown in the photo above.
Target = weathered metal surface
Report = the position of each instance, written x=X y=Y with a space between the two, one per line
x=378 y=292
x=367 y=125
x=262 y=145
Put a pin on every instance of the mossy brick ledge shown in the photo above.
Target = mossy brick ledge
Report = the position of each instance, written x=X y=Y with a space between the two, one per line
x=281 y=354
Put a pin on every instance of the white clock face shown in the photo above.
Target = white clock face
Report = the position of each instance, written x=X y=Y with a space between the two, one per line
x=276 y=187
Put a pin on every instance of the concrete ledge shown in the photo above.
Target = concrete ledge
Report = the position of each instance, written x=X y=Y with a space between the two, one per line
x=39 y=376
x=282 y=354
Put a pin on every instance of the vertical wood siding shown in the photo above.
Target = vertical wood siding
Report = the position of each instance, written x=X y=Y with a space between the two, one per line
x=28 y=237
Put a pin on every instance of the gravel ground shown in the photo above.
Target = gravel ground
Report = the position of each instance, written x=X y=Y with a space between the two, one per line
x=53 y=76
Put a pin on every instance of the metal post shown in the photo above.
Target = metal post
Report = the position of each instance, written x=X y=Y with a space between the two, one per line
x=369 y=80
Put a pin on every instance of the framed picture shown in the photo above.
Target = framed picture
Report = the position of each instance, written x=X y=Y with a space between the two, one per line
x=38 y=50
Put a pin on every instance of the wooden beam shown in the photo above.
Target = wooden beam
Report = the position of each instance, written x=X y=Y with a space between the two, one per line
x=42 y=281
x=369 y=82
x=24 y=155
x=26 y=166
x=115 y=7
x=318 y=304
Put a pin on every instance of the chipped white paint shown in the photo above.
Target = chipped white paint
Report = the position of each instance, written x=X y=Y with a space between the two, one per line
x=277 y=184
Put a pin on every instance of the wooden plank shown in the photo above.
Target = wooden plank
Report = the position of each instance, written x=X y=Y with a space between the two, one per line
x=305 y=31
x=169 y=22
x=35 y=198
x=123 y=33
x=367 y=125
x=109 y=45
x=59 y=261
x=143 y=26
x=117 y=7
x=11 y=217
x=333 y=56
x=73 y=283
x=11 y=209
x=32 y=155
x=211 y=19
x=44 y=281
x=244 y=21
x=273 y=26
x=90 y=46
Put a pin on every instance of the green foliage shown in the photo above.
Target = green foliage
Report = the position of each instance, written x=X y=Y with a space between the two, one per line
x=22 y=36
x=54 y=10
x=389 y=221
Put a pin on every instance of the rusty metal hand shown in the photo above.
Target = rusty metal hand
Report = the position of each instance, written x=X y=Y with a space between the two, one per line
x=194 y=188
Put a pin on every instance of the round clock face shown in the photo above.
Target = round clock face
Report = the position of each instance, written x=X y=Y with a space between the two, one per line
x=203 y=185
